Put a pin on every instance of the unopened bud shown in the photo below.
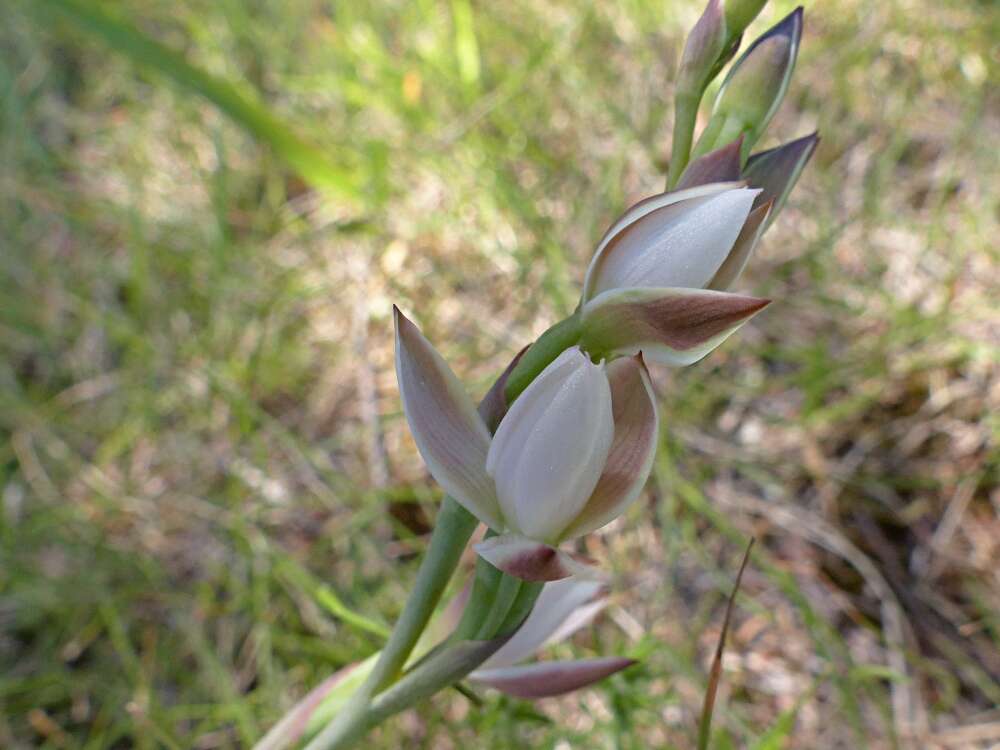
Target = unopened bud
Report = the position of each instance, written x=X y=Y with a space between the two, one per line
x=740 y=13
x=754 y=88
x=704 y=45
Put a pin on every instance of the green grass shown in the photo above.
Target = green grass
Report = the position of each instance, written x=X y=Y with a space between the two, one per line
x=208 y=497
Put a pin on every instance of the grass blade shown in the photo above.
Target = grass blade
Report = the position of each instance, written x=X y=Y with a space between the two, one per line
x=307 y=159
x=705 y=725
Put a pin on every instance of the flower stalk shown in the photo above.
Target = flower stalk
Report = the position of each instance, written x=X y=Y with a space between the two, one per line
x=565 y=439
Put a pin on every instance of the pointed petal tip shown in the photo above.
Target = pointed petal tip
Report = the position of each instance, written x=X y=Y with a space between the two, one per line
x=549 y=679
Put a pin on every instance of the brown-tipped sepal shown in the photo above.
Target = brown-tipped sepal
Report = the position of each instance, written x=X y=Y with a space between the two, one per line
x=530 y=560
x=732 y=267
x=777 y=170
x=672 y=326
x=631 y=456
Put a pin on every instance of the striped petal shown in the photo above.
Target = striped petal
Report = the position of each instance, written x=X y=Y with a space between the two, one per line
x=449 y=433
x=632 y=452
x=670 y=326
x=545 y=679
x=530 y=560
x=638 y=211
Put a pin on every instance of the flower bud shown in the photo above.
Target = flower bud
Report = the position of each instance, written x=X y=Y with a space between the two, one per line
x=677 y=239
x=704 y=45
x=551 y=447
x=740 y=13
x=754 y=87
x=571 y=454
x=776 y=171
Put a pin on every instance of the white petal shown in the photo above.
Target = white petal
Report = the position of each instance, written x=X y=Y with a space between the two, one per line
x=449 y=433
x=550 y=448
x=681 y=245
x=557 y=605
x=636 y=212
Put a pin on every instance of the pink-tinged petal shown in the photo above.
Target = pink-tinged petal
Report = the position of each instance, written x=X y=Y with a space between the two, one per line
x=450 y=434
x=545 y=679
x=679 y=245
x=632 y=452
x=670 y=326
x=732 y=267
x=530 y=560
x=562 y=608
x=776 y=171
x=721 y=165
x=639 y=210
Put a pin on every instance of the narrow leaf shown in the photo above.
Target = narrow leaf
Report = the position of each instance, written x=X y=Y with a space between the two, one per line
x=311 y=162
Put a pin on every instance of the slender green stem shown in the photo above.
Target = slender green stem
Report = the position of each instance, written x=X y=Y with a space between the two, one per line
x=521 y=607
x=540 y=355
x=507 y=593
x=452 y=530
x=484 y=591
x=685 y=116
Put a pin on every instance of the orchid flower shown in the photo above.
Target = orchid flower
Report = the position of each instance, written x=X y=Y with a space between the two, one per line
x=571 y=454
x=656 y=282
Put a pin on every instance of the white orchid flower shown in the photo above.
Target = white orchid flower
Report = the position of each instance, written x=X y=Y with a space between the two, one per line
x=657 y=281
x=572 y=454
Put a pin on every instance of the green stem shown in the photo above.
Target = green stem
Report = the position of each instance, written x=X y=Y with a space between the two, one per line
x=521 y=607
x=484 y=591
x=685 y=116
x=507 y=593
x=541 y=354
x=451 y=533
x=452 y=530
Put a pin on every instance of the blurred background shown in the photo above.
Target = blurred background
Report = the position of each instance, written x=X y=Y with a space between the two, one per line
x=209 y=499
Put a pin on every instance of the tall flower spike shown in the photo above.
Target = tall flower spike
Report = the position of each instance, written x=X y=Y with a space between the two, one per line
x=446 y=427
